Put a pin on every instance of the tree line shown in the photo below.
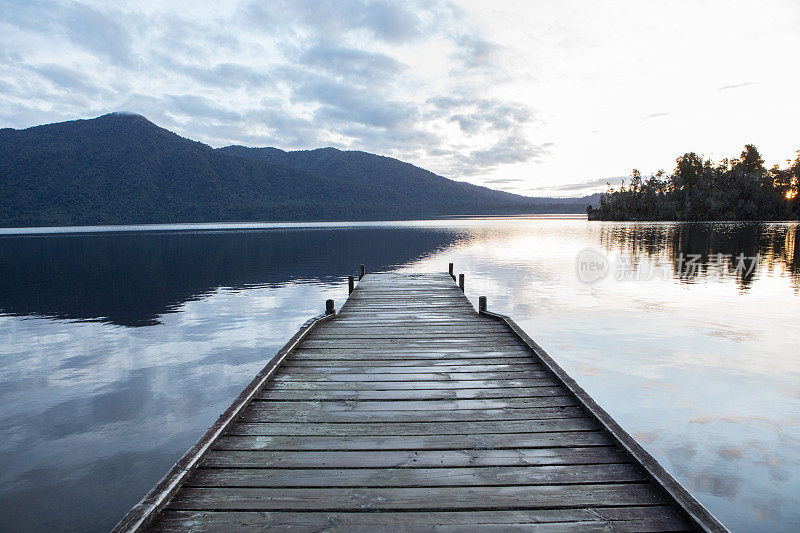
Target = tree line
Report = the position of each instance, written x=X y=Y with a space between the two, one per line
x=699 y=189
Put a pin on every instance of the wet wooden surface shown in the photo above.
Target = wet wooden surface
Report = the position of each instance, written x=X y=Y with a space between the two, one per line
x=410 y=411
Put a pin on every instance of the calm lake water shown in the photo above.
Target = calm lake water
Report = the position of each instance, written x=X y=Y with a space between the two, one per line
x=119 y=348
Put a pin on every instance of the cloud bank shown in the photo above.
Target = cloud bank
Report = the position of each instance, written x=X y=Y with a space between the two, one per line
x=403 y=79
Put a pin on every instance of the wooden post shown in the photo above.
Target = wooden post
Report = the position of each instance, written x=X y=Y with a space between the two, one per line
x=482 y=304
x=450 y=269
x=461 y=282
x=351 y=284
x=362 y=272
x=329 y=310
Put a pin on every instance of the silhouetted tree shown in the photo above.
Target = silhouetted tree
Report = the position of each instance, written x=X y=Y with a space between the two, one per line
x=699 y=189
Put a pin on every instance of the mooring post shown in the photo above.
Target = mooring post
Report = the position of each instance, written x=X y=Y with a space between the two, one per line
x=329 y=310
x=461 y=282
x=482 y=304
x=351 y=284
x=362 y=272
x=450 y=269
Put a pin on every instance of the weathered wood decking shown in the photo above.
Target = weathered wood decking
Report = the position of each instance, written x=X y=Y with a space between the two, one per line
x=411 y=411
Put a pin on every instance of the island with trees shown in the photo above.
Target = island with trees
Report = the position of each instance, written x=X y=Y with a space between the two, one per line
x=699 y=189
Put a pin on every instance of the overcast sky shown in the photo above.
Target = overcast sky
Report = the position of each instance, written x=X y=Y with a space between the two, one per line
x=534 y=97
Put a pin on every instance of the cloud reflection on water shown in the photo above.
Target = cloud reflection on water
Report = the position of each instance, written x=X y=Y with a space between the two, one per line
x=172 y=326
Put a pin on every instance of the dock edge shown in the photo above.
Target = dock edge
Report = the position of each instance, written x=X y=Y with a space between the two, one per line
x=142 y=514
x=673 y=489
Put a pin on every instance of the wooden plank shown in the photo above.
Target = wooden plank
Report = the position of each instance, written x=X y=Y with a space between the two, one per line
x=447 y=336
x=462 y=323
x=419 y=352
x=414 y=312
x=464 y=333
x=421 y=477
x=379 y=322
x=411 y=428
x=307 y=361
x=419 y=308
x=310 y=361
x=510 y=404
x=363 y=326
x=438 y=368
x=400 y=297
x=413 y=458
x=409 y=316
x=356 y=343
x=258 y=413
x=391 y=304
x=595 y=519
x=413 y=315
x=464 y=349
x=302 y=370
x=440 y=337
x=360 y=358
x=409 y=385
x=410 y=312
x=496 y=441
x=458 y=320
x=404 y=355
x=428 y=498
x=432 y=376
x=413 y=394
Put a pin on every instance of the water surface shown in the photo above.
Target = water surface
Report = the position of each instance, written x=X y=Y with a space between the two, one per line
x=119 y=347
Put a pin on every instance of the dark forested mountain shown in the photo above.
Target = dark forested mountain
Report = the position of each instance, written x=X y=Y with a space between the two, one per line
x=122 y=169
x=362 y=168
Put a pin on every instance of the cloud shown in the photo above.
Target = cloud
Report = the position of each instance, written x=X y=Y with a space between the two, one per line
x=511 y=149
x=353 y=74
x=504 y=122
x=199 y=107
x=224 y=74
x=388 y=21
x=350 y=62
x=66 y=78
x=283 y=129
x=735 y=86
x=341 y=102
x=99 y=32
x=594 y=184
x=503 y=181
x=391 y=22
x=657 y=115
x=486 y=112
x=475 y=52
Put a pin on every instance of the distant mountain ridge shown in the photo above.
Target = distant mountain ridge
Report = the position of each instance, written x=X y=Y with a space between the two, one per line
x=123 y=169
x=369 y=169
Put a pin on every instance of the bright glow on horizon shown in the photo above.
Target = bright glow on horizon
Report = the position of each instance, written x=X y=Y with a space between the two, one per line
x=537 y=98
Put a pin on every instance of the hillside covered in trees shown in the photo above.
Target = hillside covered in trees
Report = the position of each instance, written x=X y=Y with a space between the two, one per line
x=123 y=169
x=699 y=189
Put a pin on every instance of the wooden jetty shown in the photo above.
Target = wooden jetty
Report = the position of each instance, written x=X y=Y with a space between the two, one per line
x=408 y=410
